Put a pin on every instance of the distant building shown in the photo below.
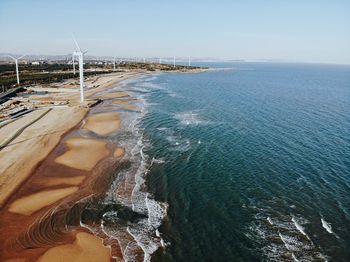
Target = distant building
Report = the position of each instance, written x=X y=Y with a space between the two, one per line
x=35 y=63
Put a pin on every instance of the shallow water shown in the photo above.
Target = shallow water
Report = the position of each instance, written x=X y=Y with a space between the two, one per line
x=254 y=162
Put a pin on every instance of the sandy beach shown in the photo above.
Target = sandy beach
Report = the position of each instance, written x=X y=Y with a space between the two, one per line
x=43 y=176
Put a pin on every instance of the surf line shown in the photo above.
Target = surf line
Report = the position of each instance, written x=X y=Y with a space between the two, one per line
x=300 y=228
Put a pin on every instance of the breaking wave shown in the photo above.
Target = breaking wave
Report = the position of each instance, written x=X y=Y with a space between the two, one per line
x=283 y=237
x=136 y=225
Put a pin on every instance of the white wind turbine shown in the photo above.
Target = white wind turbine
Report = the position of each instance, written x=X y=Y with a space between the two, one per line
x=114 y=63
x=174 y=61
x=189 y=61
x=16 y=62
x=80 y=55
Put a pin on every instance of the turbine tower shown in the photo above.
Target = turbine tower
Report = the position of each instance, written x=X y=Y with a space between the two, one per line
x=80 y=55
x=16 y=62
x=189 y=61
x=160 y=60
x=174 y=62
x=114 y=63
x=73 y=62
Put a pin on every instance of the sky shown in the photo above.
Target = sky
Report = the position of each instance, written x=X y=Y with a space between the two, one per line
x=316 y=31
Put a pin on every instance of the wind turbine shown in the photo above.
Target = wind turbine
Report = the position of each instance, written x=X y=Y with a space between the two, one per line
x=80 y=55
x=114 y=64
x=189 y=61
x=16 y=62
x=174 y=62
x=160 y=60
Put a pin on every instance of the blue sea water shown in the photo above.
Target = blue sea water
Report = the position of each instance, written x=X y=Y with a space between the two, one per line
x=253 y=162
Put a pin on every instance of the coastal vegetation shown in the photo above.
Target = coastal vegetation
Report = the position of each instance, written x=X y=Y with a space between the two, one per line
x=57 y=71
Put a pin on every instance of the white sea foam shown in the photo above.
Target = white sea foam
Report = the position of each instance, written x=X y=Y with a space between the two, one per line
x=294 y=257
x=179 y=144
x=144 y=231
x=270 y=225
x=300 y=228
x=157 y=161
x=189 y=118
x=326 y=226
x=269 y=220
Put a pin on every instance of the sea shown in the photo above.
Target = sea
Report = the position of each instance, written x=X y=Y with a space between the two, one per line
x=246 y=162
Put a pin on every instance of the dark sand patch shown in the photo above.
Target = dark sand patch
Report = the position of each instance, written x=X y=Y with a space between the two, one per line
x=55 y=181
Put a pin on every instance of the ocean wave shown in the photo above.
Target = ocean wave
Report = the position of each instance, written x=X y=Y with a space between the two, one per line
x=326 y=226
x=129 y=190
x=299 y=227
x=283 y=236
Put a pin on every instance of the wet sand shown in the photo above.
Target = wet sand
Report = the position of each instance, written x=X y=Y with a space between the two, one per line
x=86 y=247
x=121 y=94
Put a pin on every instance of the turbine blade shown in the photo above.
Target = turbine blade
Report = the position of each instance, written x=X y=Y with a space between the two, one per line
x=76 y=44
x=21 y=56
x=11 y=57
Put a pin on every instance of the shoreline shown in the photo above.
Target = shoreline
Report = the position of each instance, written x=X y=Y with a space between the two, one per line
x=46 y=207
x=65 y=163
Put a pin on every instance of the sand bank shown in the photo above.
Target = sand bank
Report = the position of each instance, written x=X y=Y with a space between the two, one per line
x=86 y=248
x=83 y=153
x=34 y=202
x=22 y=154
x=119 y=152
x=103 y=123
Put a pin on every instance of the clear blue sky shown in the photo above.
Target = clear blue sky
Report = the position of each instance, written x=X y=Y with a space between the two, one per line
x=296 y=30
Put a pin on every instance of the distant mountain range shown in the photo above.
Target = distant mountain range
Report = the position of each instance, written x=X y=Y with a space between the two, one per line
x=68 y=57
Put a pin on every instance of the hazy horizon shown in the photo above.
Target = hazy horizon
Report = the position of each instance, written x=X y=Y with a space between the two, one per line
x=313 y=32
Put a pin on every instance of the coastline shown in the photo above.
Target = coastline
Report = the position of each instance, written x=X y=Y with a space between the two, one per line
x=34 y=184
x=66 y=159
